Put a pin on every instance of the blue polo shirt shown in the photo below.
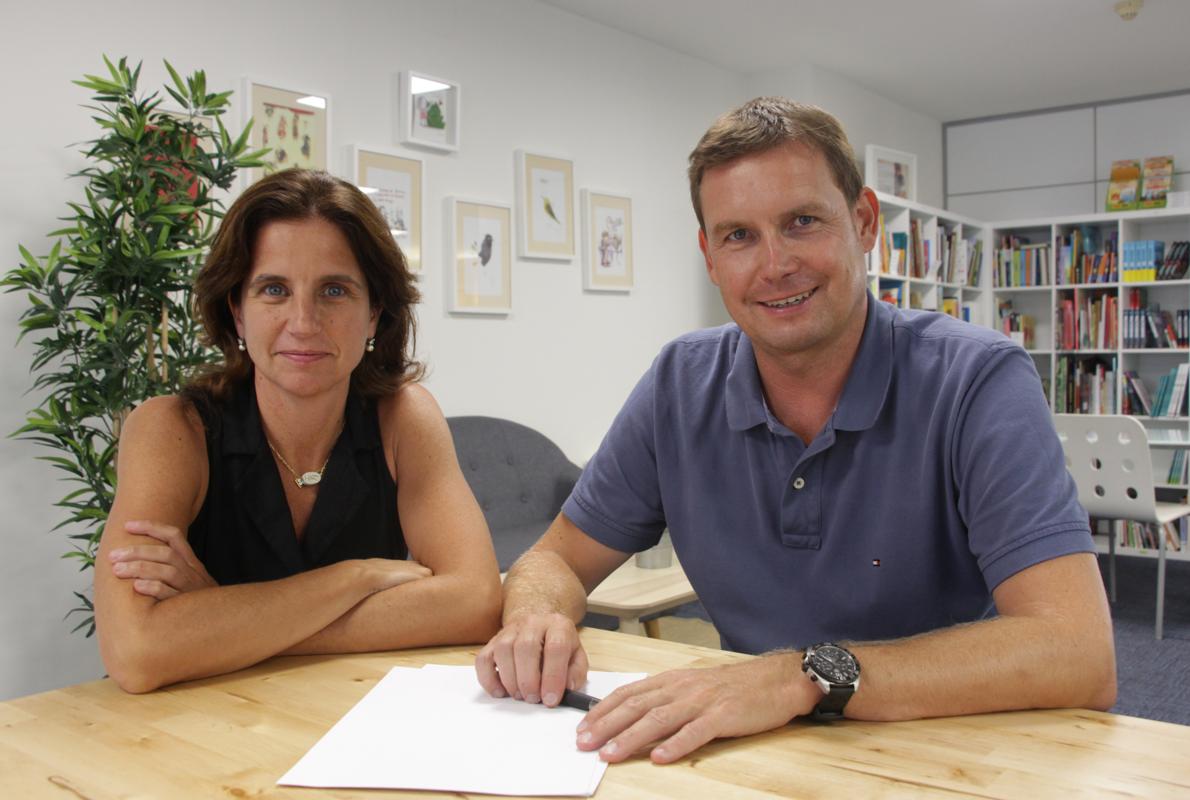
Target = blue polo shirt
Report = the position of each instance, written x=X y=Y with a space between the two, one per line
x=938 y=476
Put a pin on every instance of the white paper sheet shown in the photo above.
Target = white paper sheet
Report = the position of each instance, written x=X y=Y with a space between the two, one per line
x=434 y=728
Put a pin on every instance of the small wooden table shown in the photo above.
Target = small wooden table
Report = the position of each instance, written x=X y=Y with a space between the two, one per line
x=632 y=592
x=235 y=735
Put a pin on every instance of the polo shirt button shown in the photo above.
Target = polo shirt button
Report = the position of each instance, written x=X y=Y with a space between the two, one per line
x=799 y=482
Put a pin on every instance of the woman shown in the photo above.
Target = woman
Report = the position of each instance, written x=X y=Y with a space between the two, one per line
x=303 y=496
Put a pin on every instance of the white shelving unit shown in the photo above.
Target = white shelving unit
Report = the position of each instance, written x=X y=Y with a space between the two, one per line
x=928 y=291
x=1044 y=303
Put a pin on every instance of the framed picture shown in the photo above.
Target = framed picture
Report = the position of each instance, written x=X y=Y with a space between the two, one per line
x=294 y=126
x=394 y=184
x=479 y=267
x=430 y=110
x=545 y=206
x=607 y=242
x=891 y=171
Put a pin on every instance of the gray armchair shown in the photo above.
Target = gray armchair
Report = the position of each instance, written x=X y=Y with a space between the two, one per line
x=519 y=477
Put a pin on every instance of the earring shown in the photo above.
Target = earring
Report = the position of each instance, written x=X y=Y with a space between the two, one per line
x=371 y=345
x=240 y=344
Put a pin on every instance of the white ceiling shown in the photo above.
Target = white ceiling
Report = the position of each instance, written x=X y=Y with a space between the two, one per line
x=948 y=59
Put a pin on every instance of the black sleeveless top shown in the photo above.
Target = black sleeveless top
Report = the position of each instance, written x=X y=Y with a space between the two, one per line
x=244 y=531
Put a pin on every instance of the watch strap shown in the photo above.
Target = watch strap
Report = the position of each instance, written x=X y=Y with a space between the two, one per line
x=832 y=704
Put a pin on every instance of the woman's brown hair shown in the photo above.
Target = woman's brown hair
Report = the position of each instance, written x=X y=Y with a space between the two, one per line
x=296 y=194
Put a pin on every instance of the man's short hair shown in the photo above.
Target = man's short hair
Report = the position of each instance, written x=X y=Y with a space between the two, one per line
x=768 y=122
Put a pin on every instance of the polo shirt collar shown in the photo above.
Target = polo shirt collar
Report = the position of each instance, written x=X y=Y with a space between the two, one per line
x=863 y=394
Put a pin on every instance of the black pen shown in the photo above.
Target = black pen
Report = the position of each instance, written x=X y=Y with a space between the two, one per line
x=583 y=702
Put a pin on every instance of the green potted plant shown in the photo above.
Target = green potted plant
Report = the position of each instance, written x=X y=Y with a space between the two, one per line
x=110 y=302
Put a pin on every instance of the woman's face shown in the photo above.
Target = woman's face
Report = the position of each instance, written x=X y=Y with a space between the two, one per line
x=304 y=312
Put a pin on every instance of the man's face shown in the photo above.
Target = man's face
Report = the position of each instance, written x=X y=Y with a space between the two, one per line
x=786 y=250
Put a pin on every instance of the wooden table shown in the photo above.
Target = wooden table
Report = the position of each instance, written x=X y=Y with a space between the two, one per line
x=233 y=736
x=632 y=592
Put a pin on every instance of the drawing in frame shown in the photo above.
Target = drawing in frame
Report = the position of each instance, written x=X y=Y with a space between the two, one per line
x=607 y=242
x=891 y=171
x=479 y=265
x=394 y=183
x=430 y=111
x=545 y=206
x=293 y=125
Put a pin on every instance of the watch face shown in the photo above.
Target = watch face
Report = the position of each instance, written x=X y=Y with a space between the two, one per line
x=835 y=664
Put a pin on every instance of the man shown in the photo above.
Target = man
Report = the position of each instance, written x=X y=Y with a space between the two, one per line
x=831 y=469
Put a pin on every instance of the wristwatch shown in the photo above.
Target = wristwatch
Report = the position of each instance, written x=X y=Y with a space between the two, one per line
x=835 y=671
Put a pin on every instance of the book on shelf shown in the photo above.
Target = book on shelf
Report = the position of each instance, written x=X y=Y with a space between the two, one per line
x=1140 y=260
x=1123 y=186
x=1177 y=469
x=1081 y=258
x=1167 y=436
x=1085 y=385
x=950 y=307
x=1137 y=395
x=1022 y=263
x=897 y=258
x=974 y=262
x=1177 y=259
x=1156 y=181
x=1015 y=325
x=1144 y=535
x=1178 y=400
x=891 y=294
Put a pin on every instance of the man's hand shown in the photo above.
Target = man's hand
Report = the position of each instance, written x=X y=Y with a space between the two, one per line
x=159 y=570
x=534 y=658
x=685 y=709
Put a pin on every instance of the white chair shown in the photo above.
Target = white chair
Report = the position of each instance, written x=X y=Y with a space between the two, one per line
x=1108 y=455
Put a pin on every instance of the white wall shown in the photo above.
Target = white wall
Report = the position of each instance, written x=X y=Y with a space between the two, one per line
x=533 y=77
x=1052 y=163
x=867 y=117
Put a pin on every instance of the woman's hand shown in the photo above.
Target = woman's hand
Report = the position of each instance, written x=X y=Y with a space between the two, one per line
x=385 y=573
x=159 y=570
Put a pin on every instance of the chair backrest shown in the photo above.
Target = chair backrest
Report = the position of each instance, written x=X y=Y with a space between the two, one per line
x=1108 y=455
x=517 y=474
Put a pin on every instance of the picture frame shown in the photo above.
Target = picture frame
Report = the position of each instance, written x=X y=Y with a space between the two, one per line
x=892 y=172
x=479 y=261
x=607 y=242
x=430 y=111
x=394 y=182
x=294 y=125
x=545 y=206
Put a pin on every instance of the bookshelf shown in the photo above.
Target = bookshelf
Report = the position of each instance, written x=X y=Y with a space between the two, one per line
x=1097 y=327
x=930 y=259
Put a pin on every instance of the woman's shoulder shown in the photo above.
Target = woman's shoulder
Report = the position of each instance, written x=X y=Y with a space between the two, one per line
x=163 y=414
x=412 y=403
x=164 y=433
x=411 y=415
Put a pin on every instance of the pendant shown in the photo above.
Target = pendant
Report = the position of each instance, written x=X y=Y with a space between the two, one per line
x=308 y=479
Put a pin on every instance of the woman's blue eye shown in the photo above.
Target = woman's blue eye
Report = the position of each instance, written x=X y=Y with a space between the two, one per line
x=336 y=291
x=274 y=290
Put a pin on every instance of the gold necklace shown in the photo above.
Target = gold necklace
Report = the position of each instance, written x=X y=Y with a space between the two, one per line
x=306 y=478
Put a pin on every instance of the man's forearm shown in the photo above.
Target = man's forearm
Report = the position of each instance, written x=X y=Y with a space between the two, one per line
x=541 y=582
x=1000 y=664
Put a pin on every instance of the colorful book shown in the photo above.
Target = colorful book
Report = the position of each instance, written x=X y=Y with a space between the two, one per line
x=1124 y=185
x=1156 y=181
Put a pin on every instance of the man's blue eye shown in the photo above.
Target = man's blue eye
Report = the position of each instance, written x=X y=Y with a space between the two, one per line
x=804 y=219
x=737 y=234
